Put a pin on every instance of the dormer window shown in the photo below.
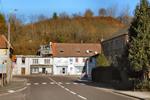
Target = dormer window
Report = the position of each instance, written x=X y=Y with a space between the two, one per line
x=90 y=51
x=78 y=51
x=61 y=51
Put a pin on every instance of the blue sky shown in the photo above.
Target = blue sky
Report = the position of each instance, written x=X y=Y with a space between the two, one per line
x=48 y=7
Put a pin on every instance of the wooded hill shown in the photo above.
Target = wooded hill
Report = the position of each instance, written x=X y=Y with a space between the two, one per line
x=27 y=38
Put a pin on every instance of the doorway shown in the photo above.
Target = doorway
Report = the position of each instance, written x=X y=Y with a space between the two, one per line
x=43 y=70
x=23 y=71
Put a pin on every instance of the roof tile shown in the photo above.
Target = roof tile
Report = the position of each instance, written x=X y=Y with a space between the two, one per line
x=75 y=49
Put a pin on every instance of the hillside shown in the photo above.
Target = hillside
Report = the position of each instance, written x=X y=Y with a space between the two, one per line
x=27 y=38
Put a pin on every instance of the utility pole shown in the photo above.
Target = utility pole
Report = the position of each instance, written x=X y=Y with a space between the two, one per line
x=8 y=67
x=8 y=54
x=2 y=76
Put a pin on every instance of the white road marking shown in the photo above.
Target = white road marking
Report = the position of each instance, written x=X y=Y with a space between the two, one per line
x=36 y=83
x=52 y=83
x=21 y=89
x=75 y=83
x=44 y=83
x=68 y=89
x=28 y=83
x=11 y=91
x=59 y=82
x=72 y=92
x=67 y=83
x=62 y=87
x=82 y=83
x=82 y=97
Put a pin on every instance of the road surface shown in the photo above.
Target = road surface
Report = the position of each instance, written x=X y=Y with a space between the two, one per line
x=61 y=88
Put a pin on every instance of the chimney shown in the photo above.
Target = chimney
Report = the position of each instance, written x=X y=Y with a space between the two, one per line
x=50 y=43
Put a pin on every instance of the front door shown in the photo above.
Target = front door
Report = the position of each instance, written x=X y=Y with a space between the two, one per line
x=23 y=71
x=43 y=70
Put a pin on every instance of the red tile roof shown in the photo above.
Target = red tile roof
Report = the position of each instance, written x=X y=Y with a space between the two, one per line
x=3 y=42
x=75 y=49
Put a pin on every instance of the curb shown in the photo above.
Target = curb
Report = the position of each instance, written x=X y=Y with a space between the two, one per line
x=17 y=90
x=129 y=95
x=120 y=93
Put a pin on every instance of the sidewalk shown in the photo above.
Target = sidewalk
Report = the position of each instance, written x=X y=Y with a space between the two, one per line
x=135 y=94
x=14 y=85
x=110 y=87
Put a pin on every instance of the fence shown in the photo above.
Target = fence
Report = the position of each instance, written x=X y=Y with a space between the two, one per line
x=105 y=74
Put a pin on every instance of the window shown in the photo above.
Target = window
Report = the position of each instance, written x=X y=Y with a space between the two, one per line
x=84 y=59
x=35 y=61
x=76 y=59
x=71 y=60
x=23 y=60
x=46 y=61
x=91 y=60
x=61 y=51
x=79 y=69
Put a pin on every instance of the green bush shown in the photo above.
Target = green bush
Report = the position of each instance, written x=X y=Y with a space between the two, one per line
x=102 y=61
x=142 y=85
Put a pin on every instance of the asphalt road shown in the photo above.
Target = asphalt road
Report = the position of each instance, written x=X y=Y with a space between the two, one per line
x=61 y=88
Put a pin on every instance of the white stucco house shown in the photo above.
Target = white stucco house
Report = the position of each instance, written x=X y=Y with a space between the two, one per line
x=32 y=64
x=3 y=53
x=59 y=59
x=74 y=58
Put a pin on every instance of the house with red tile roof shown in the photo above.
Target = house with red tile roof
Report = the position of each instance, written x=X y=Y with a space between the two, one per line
x=4 y=56
x=64 y=59
x=74 y=58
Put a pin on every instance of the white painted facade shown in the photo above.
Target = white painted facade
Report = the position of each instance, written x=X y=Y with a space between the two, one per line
x=3 y=60
x=72 y=65
x=55 y=65
x=26 y=65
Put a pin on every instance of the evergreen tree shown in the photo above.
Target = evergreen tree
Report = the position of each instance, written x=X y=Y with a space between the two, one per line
x=139 y=44
x=55 y=15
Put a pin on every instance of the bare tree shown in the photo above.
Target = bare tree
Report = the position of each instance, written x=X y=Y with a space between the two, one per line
x=124 y=16
x=64 y=15
x=111 y=11
x=102 y=12
x=33 y=19
x=41 y=17
x=76 y=15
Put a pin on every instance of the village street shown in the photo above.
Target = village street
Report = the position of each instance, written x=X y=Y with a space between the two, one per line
x=61 y=88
